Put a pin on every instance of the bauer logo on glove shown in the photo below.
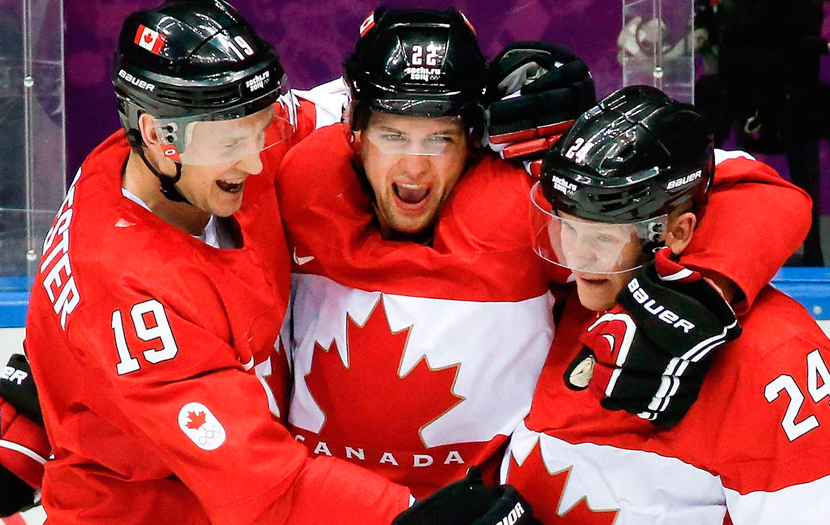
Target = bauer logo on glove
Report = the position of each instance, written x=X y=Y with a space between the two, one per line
x=644 y=357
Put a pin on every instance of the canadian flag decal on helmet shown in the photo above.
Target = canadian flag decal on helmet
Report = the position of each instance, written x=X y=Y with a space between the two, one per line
x=150 y=40
x=367 y=24
x=469 y=24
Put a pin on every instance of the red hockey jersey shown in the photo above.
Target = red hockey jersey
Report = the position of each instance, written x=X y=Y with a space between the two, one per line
x=751 y=446
x=418 y=361
x=142 y=340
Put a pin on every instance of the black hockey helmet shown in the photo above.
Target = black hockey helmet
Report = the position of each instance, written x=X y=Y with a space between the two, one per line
x=627 y=162
x=416 y=62
x=191 y=61
x=637 y=154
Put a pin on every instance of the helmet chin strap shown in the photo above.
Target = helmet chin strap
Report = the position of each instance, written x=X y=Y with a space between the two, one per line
x=168 y=184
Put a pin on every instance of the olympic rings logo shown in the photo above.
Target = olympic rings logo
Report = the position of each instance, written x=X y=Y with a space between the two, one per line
x=210 y=434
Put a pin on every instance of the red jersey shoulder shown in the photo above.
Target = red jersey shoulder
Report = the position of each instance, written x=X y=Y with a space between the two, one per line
x=777 y=339
x=785 y=359
x=724 y=235
x=102 y=241
x=735 y=167
x=318 y=174
x=317 y=156
x=776 y=318
x=769 y=394
x=306 y=120
x=72 y=242
x=489 y=206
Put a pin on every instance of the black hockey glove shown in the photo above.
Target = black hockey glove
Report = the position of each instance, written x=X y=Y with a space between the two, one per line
x=536 y=91
x=27 y=447
x=469 y=502
x=16 y=495
x=648 y=355
x=17 y=386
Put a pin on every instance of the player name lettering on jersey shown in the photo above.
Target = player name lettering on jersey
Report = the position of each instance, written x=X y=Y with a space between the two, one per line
x=58 y=281
x=387 y=458
x=662 y=313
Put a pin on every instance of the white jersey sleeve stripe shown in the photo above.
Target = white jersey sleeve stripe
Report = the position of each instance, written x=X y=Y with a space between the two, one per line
x=680 y=275
x=722 y=155
x=23 y=450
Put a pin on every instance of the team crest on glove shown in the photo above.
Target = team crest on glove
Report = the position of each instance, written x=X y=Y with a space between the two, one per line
x=610 y=336
x=581 y=370
x=201 y=426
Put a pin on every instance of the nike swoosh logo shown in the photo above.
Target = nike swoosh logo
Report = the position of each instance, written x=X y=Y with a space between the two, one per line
x=302 y=260
x=611 y=340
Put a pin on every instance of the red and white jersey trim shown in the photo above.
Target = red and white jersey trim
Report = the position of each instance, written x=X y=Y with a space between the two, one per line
x=328 y=100
x=644 y=487
x=805 y=504
x=722 y=155
x=647 y=488
x=500 y=346
x=263 y=370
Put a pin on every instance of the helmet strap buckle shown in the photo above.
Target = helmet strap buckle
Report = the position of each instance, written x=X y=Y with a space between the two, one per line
x=168 y=183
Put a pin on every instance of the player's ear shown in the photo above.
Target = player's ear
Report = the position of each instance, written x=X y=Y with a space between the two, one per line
x=681 y=231
x=146 y=124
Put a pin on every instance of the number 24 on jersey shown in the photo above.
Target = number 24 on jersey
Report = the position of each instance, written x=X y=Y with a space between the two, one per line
x=818 y=386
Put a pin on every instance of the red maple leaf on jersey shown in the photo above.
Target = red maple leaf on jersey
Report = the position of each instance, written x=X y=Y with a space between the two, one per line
x=196 y=420
x=371 y=401
x=544 y=491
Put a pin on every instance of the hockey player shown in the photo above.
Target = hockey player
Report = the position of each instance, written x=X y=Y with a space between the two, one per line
x=162 y=286
x=163 y=283
x=750 y=450
x=420 y=318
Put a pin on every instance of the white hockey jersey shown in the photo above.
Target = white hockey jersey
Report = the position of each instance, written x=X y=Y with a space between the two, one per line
x=414 y=361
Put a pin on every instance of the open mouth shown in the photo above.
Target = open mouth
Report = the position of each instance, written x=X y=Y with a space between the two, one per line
x=411 y=195
x=230 y=187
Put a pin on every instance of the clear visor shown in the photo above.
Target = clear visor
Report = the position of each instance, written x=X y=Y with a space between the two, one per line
x=444 y=135
x=588 y=246
x=224 y=138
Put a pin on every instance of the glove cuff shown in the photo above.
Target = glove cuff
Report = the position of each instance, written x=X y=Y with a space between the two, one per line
x=692 y=283
x=24 y=446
